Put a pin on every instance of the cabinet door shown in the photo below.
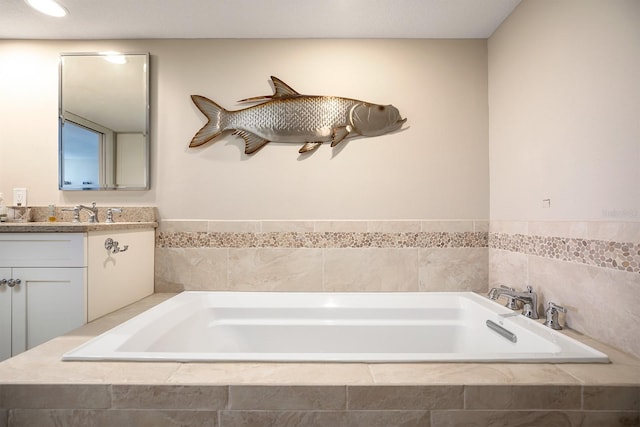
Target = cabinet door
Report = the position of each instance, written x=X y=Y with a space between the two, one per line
x=47 y=303
x=119 y=279
x=5 y=315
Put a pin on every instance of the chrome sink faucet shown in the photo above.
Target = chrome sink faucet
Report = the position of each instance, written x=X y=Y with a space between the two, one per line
x=529 y=298
x=92 y=210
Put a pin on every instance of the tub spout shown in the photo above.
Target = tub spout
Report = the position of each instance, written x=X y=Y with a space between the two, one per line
x=529 y=298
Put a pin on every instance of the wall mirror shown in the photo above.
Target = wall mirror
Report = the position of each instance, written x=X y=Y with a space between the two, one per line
x=103 y=116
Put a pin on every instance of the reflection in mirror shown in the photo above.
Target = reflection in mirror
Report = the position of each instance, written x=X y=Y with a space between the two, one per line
x=104 y=121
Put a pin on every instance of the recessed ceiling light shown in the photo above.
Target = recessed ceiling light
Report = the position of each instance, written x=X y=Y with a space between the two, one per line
x=48 y=7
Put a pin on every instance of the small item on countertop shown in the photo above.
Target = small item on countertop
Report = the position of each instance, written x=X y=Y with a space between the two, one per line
x=3 y=209
x=52 y=213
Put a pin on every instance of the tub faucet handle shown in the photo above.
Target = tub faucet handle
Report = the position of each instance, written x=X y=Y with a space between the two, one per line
x=552 y=315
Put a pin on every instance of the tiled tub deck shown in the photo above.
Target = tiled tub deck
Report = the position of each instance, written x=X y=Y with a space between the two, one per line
x=37 y=389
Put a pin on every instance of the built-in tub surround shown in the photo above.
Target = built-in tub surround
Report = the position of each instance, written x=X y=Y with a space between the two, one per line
x=38 y=389
x=346 y=256
x=592 y=268
x=334 y=326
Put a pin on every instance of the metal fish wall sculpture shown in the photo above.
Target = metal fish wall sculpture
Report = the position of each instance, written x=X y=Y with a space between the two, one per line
x=288 y=116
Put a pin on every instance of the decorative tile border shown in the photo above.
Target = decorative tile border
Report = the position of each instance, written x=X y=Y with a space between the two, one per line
x=598 y=253
x=326 y=239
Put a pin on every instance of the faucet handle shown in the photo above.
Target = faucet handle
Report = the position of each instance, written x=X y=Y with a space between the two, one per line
x=507 y=287
x=76 y=212
x=110 y=212
x=552 y=315
x=553 y=306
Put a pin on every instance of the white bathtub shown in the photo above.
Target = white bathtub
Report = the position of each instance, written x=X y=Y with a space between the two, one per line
x=341 y=327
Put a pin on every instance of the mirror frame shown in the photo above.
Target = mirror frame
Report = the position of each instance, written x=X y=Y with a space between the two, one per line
x=61 y=120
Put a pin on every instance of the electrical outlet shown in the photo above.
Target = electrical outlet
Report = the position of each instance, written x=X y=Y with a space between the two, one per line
x=20 y=197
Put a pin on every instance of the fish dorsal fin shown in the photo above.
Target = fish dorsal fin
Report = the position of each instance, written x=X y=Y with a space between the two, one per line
x=252 y=142
x=283 y=90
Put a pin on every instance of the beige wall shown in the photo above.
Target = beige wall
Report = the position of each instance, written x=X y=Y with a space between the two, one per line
x=435 y=169
x=564 y=99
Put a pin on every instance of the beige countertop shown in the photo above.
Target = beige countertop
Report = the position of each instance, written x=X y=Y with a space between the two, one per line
x=70 y=227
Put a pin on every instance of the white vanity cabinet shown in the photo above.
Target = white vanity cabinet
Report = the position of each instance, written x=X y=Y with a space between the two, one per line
x=43 y=288
x=52 y=283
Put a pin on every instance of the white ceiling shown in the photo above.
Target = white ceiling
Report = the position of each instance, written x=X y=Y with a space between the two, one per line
x=139 y=19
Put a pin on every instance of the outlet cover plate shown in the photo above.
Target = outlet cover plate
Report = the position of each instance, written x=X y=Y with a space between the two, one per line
x=20 y=197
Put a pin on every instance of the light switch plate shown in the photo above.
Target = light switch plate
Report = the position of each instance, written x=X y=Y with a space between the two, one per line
x=20 y=197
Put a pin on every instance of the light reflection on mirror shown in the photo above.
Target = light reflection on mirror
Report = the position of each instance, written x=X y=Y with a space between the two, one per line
x=104 y=122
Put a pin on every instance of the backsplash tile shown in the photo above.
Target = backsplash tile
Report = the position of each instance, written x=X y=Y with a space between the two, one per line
x=591 y=268
x=599 y=253
x=188 y=239
x=309 y=256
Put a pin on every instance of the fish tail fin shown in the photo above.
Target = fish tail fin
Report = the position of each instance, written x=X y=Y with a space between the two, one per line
x=214 y=114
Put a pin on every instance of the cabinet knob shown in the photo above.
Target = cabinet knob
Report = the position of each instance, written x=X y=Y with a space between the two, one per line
x=3 y=282
x=12 y=282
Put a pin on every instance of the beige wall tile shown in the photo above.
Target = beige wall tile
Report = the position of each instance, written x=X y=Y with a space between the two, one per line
x=340 y=226
x=190 y=269
x=625 y=232
x=509 y=227
x=275 y=269
x=403 y=397
x=52 y=396
x=232 y=226
x=532 y=418
x=522 y=397
x=324 y=418
x=453 y=269
x=284 y=226
x=273 y=373
x=370 y=269
x=102 y=418
x=399 y=226
x=287 y=397
x=572 y=229
x=190 y=397
x=617 y=373
x=508 y=269
x=481 y=226
x=611 y=397
x=601 y=302
x=469 y=373
x=449 y=225
x=171 y=226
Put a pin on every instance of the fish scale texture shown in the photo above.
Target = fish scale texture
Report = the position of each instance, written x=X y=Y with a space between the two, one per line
x=304 y=115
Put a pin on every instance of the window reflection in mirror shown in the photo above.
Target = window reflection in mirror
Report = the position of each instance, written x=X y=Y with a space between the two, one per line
x=104 y=122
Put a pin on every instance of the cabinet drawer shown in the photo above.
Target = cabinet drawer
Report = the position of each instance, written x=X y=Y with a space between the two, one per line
x=43 y=250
